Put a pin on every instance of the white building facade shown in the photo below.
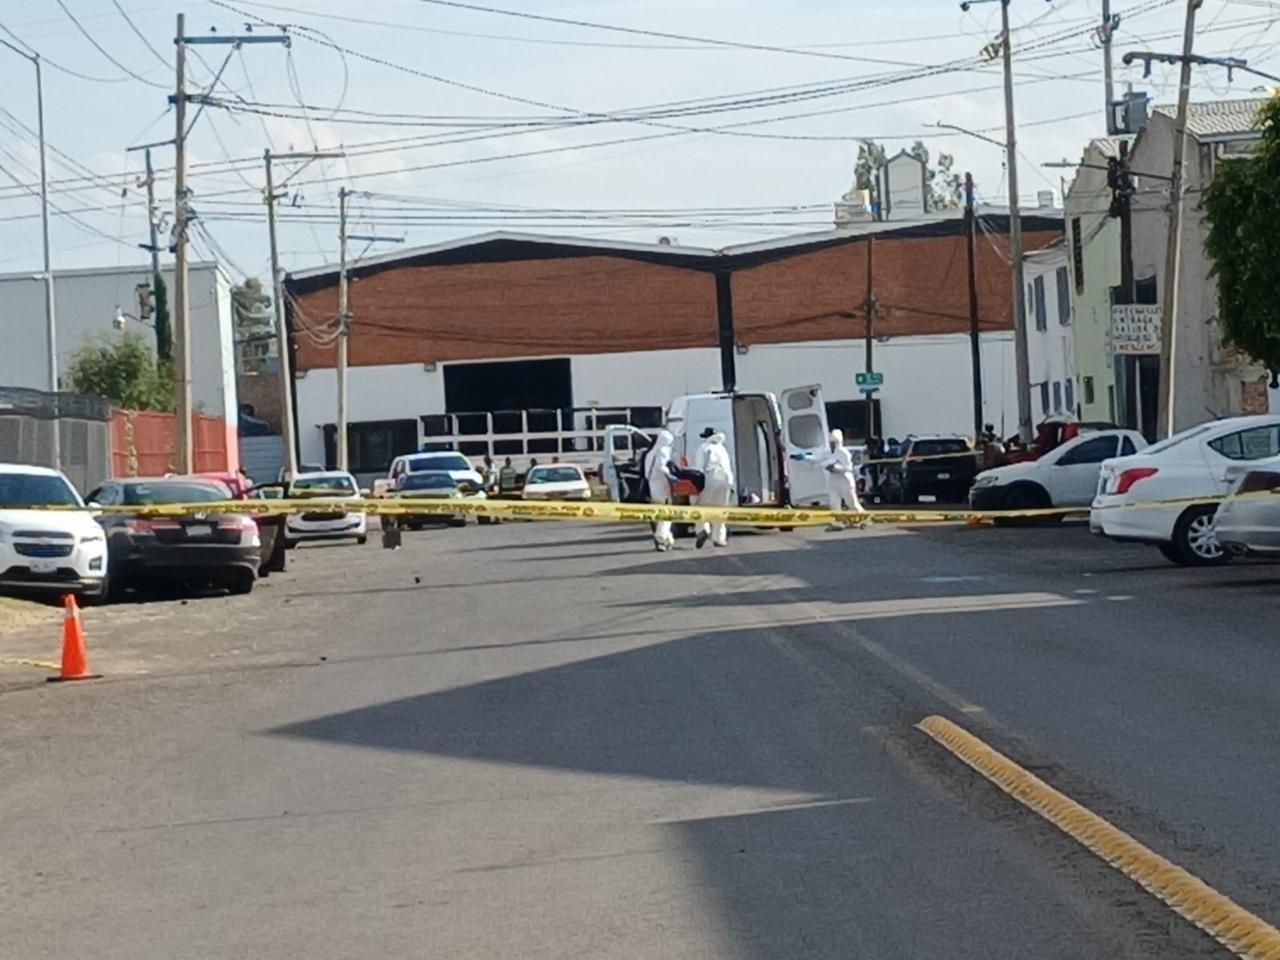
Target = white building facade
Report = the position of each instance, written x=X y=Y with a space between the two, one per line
x=1050 y=344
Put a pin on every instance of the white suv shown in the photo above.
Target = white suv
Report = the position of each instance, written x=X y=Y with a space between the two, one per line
x=53 y=551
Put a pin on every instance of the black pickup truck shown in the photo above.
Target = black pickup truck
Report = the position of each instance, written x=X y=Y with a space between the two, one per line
x=943 y=467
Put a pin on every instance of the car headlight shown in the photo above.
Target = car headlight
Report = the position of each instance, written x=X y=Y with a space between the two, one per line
x=985 y=482
x=91 y=538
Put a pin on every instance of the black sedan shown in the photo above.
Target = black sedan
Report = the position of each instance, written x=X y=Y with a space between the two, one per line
x=218 y=549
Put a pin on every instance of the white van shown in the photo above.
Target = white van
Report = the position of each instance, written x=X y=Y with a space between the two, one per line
x=775 y=442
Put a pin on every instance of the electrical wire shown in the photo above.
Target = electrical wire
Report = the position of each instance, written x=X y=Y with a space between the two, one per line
x=138 y=33
x=103 y=50
x=58 y=66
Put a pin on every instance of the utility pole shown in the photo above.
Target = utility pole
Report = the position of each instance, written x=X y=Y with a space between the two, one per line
x=1015 y=237
x=344 y=319
x=183 y=447
x=344 y=329
x=50 y=315
x=1173 y=248
x=975 y=345
x=1108 y=83
x=288 y=425
x=869 y=309
x=183 y=453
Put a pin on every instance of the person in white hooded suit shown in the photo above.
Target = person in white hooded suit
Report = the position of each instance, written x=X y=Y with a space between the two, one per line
x=658 y=474
x=841 y=481
x=717 y=491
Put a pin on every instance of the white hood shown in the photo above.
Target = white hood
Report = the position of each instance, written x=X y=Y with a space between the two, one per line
x=77 y=522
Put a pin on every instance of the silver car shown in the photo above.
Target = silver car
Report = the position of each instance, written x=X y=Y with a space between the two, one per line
x=1251 y=525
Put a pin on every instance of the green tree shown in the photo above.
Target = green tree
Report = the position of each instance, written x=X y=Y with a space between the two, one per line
x=945 y=188
x=164 y=332
x=1242 y=204
x=125 y=371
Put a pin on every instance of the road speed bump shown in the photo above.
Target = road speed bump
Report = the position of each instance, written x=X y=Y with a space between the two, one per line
x=1243 y=933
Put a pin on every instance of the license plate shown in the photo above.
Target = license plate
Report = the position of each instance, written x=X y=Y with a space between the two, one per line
x=43 y=566
x=194 y=531
x=944 y=476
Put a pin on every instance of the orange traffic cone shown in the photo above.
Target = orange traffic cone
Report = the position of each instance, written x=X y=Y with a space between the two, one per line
x=75 y=658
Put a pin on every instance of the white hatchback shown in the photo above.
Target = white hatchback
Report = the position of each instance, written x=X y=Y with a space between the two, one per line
x=49 y=551
x=1190 y=465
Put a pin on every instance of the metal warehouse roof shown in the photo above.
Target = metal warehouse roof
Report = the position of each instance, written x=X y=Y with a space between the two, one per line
x=1219 y=118
x=502 y=245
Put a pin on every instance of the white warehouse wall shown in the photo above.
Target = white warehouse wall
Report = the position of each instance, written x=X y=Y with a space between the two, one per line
x=85 y=302
x=927 y=383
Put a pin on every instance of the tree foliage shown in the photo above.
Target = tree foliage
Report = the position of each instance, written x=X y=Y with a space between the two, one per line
x=1242 y=204
x=945 y=188
x=124 y=370
x=164 y=331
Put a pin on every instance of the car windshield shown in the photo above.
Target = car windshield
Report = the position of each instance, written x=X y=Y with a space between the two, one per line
x=438 y=461
x=554 y=475
x=329 y=484
x=929 y=448
x=174 y=491
x=36 y=489
x=428 y=481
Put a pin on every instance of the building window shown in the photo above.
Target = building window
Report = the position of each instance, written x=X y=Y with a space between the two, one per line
x=1044 y=398
x=1077 y=253
x=1042 y=313
x=1088 y=389
x=1064 y=297
x=1070 y=387
x=1057 y=396
x=373 y=444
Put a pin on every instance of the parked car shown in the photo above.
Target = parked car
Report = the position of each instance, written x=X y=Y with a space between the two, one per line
x=1188 y=465
x=303 y=468
x=434 y=461
x=556 y=481
x=435 y=485
x=1066 y=476
x=222 y=549
x=325 y=524
x=942 y=467
x=44 y=550
x=1251 y=525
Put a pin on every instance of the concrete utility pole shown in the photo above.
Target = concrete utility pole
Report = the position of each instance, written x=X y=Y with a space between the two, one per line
x=288 y=425
x=344 y=319
x=50 y=314
x=975 y=344
x=344 y=329
x=184 y=453
x=182 y=441
x=1173 y=248
x=1108 y=83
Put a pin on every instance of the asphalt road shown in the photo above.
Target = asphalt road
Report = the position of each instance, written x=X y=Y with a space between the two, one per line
x=547 y=741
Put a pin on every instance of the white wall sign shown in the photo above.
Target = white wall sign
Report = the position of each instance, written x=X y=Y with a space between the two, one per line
x=1135 y=328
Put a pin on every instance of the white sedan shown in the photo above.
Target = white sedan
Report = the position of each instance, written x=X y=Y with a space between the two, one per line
x=1066 y=476
x=556 y=481
x=1252 y=525
x=1189 y=465
x=325 y=524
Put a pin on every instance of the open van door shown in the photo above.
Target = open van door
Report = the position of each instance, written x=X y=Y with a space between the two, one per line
x=804 y=438
x=622 y=470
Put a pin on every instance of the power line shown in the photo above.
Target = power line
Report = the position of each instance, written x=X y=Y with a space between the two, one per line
x=103 y=50
x=58 y=66
x=140 y=35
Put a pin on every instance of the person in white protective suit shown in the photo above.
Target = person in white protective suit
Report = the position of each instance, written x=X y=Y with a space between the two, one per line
x=659 y=476
x=717 y=490
x=842 y=487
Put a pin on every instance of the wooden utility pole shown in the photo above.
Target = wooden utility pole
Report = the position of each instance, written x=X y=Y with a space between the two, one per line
x=975 y=344
x=869 y=310
x=183 y=448
x=1106 y=31
x=1173 y=248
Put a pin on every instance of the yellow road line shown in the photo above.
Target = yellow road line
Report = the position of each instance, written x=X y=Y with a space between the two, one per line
x=939 y=690
x=1240 y=931
x=23 y=662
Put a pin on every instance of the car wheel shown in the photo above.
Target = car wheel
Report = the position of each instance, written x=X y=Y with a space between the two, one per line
x=107 y=592
x=483 y=520
x=414 y=525
x=290 y=544
x=241 y=584
x=362 y=540
x=1194 y=540
x=458 y=522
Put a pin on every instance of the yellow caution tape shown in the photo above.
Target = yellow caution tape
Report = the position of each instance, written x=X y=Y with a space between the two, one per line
x=595 y=510
x=1243 y=933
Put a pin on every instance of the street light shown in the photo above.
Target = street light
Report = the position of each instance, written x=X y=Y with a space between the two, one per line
x=49 y=313
x=121 y=318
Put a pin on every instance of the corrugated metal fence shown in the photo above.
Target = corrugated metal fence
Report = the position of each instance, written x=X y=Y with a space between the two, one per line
x=142 y=443
x=29 y=417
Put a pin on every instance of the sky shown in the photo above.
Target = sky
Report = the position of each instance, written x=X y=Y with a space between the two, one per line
x=511 y=122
